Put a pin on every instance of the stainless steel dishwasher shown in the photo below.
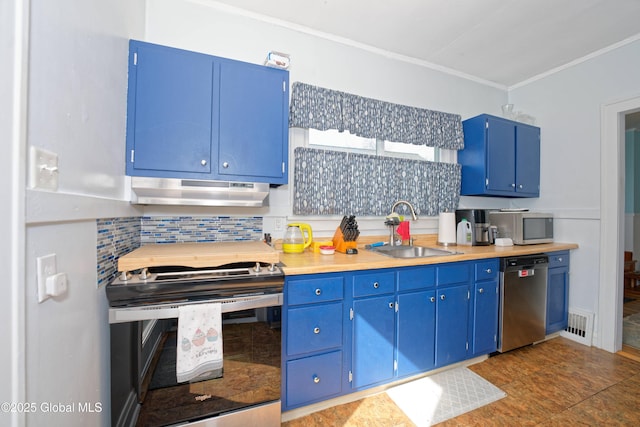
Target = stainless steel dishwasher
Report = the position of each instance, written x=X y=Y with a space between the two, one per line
x=523 y=300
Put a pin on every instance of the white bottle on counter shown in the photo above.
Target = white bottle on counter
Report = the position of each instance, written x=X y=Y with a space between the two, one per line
x=464 y=232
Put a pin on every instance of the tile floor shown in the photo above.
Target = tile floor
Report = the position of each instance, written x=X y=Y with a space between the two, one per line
x=555 y=383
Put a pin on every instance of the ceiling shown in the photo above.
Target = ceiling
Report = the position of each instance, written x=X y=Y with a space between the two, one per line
x=504 y=42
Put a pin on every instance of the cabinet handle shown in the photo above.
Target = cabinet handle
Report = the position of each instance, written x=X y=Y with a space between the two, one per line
x=488 y=271
x=481 y=290
x=442 y=297
x=316 y=330
x=225 y=165
x=203 y=162
x=316 y=379
x=560 y=259
x=318 y=291
x=432 y=299
x=520 y=186
x=391 y=305
x=513 y=186
x=376 y=285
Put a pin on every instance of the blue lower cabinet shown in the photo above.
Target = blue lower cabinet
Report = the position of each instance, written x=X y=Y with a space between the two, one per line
x=313 y=339
x=373 y=340
x=416 y=332
x=485 y=318
x=349 y=331
x=312 y=379
x=557 y=292
x=485 y=300
x=452 y=321
x=315 y=328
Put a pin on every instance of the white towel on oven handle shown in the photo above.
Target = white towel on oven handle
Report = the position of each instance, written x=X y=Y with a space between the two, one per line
x=199 y=346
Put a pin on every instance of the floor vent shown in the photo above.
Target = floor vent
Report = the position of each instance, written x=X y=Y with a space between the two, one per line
x=579 y=327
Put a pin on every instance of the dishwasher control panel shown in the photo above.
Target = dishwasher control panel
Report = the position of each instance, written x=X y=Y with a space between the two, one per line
x=524 y=262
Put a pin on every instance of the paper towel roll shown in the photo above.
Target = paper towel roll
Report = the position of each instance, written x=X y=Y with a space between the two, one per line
x=447 y=229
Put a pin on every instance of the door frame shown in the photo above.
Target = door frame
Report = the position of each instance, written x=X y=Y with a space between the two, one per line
x=612 y=164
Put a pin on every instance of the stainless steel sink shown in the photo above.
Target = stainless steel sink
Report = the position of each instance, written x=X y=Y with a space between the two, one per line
x=411 y=251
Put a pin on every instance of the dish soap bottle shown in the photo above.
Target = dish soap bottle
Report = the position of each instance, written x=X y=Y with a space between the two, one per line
x=464 y=232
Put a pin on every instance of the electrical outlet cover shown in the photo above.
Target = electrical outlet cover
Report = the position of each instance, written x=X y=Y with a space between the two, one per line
x=46 y=266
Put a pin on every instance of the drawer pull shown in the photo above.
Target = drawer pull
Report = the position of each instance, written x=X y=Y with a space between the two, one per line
x=316 y=379
x=488 y=271
x=432 y=299
x=318 y=291
x=442 y=297
x=560 y=259
x=376 y=285
x=391 y=304
x=481 y=290
x=316 y=330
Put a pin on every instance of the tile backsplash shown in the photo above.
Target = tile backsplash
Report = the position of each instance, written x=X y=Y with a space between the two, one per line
x=115 y=237
x=199 y=229
x=119 y=236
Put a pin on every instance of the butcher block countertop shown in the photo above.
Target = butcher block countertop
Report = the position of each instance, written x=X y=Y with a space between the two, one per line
x=197 y=255
x=310 y=263
x=200 y=255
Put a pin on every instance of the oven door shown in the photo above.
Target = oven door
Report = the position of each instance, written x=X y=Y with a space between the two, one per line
x=143 y=374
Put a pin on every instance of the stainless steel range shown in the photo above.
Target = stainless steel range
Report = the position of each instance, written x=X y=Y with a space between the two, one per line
x=144 y=307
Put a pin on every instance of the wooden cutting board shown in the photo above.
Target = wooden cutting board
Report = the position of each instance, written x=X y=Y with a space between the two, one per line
x=197 y=255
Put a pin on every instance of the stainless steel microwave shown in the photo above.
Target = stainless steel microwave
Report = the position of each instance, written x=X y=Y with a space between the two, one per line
x=523 y=227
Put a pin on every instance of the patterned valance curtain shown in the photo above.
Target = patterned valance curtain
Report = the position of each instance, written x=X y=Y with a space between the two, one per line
x=341 y=183
x=319 y=108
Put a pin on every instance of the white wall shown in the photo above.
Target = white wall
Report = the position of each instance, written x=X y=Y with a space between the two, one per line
x=77 y=109
x=13 y=84
x=568 y=107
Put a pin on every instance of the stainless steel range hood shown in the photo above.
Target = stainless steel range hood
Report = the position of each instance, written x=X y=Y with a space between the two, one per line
x=173 y=191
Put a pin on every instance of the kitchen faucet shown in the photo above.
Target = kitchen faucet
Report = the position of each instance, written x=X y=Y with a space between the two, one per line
x=394 y=222
x=400 y=202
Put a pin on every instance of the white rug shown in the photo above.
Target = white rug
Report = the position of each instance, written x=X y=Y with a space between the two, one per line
x=431 y=400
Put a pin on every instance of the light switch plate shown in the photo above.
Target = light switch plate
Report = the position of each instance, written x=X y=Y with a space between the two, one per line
x=43 y=169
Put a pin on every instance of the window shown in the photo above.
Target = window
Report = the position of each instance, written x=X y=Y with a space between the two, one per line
x=333 y=138
x=349 y=142
x=410 y=150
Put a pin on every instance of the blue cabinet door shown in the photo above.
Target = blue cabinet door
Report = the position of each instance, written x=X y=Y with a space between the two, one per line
x=373 y=340
x=501 y=152
x=170 y=111
x=485 y=317
x=416 y=332
x=557 y=291
x=254 y=116
x=452 y=319
x=527 y=160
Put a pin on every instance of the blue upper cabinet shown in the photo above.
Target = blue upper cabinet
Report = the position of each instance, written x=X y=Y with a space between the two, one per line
x=254 y=120
x=197 y=116
x=500 y=158
x=170 y=111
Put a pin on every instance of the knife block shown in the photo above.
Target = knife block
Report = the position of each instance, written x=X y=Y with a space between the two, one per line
x=340 y=244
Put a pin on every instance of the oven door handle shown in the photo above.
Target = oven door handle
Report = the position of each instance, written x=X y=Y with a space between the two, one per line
x=171 y=310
